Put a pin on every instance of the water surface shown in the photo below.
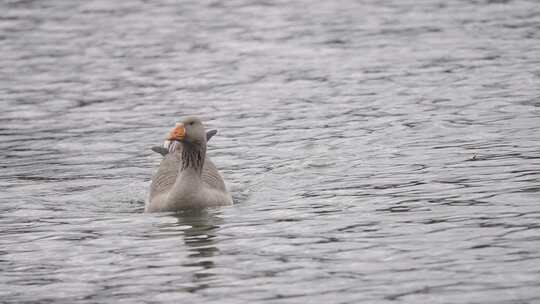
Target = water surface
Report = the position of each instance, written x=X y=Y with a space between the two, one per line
x=377 y=151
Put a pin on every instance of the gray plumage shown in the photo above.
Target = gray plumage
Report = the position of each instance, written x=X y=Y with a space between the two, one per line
x=186 y=177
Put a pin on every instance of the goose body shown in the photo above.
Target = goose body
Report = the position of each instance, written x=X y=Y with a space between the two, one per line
x=186 y=177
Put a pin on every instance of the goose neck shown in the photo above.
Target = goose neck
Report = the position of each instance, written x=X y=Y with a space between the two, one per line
x=193 y=155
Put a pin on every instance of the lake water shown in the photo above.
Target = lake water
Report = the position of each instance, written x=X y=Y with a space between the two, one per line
x=377 y=151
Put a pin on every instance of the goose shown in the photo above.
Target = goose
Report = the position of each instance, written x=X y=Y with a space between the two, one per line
x=186 y=177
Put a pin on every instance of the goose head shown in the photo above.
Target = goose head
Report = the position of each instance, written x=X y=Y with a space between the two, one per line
x=190 y=130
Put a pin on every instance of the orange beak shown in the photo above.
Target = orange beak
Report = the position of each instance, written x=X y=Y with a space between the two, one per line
x=177 y=133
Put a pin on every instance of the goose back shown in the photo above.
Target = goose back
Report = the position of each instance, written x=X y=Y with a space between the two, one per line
x=167 y=173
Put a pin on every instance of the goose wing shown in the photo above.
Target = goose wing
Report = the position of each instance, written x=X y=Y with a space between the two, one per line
x=211 y=176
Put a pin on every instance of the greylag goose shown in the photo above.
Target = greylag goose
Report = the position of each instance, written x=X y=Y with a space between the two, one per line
x=186 y=177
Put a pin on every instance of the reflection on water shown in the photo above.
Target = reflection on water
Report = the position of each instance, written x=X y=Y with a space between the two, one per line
x=377 y=151
x=199 y=229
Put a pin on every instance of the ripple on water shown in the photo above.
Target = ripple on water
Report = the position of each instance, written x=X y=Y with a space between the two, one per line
x=376 y=152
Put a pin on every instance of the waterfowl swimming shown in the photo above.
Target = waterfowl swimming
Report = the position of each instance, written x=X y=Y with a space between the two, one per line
x=186 y=177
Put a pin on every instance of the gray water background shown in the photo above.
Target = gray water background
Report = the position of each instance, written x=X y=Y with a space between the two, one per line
x=377 y=151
